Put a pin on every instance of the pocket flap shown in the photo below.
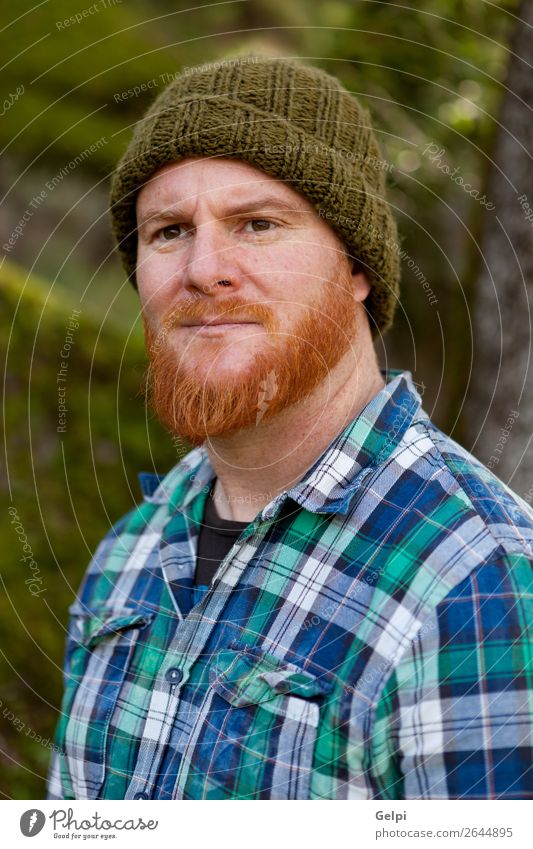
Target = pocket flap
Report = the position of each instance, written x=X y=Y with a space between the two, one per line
x=251 y=676
x=91 y=624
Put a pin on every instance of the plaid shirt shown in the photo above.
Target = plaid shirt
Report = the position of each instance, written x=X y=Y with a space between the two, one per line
x=365 y=638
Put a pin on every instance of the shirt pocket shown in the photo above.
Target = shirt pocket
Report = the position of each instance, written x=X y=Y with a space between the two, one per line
x=100 y=643
x=257 y=729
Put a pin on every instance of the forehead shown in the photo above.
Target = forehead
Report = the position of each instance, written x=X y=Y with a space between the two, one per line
x=219 y=180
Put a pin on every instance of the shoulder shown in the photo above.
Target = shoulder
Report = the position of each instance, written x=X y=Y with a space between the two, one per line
x=471 y=594
x=452 y=487
x=451 y=543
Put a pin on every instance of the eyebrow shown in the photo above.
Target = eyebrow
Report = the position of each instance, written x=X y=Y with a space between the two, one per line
x=255 y=205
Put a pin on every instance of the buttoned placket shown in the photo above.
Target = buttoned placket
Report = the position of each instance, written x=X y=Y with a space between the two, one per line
x=191 y=636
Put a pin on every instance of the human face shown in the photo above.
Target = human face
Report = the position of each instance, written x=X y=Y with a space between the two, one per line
x=288 y=314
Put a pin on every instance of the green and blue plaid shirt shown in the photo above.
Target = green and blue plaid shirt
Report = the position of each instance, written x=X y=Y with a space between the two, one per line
x=367 y=637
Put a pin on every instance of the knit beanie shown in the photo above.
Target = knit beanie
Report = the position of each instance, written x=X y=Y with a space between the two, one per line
x=290 y=120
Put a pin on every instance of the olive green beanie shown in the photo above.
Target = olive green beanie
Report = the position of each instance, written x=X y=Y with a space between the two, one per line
x=292 y=121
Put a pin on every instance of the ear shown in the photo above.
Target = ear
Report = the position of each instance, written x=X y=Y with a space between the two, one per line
x=361 y=283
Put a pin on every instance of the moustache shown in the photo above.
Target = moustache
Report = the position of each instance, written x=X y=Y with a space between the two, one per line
x=234 y=310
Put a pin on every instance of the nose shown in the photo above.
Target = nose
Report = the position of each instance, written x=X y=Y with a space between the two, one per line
x=210 y=259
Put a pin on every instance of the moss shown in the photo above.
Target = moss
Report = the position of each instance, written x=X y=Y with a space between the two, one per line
x=66 y=487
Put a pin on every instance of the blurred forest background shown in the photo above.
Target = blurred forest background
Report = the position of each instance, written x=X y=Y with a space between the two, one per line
x=450 y=89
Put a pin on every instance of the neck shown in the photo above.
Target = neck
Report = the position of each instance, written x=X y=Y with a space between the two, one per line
x=256 y=464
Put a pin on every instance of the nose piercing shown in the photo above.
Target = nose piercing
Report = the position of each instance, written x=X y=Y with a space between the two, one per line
x=223 y=283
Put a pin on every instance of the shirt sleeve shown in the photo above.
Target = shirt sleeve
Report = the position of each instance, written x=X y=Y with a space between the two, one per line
x=58 y=782
x=54 y=786
x=455 y=720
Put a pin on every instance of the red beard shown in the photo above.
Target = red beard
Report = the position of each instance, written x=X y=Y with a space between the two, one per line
x=192 y=402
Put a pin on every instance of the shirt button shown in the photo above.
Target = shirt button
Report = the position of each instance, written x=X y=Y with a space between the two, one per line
x=141 y=796
x=173 y=675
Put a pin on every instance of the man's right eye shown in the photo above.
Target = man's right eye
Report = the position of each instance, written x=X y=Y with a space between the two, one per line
x=172 y=231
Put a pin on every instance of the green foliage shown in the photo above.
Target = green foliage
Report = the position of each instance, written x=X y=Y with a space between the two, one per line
x=66 y=488
x=391 y=54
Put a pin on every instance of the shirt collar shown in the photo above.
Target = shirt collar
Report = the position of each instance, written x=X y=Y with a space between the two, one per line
x=336 y=475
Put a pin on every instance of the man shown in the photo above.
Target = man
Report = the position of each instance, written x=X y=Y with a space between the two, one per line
x=327 y=598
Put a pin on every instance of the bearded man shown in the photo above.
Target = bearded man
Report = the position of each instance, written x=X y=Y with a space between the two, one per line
x=327 y=597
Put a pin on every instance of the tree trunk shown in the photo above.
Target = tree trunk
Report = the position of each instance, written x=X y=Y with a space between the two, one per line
x=499 y=404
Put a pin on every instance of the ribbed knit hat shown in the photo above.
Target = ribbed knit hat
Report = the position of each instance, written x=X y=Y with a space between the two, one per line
x=292 y=121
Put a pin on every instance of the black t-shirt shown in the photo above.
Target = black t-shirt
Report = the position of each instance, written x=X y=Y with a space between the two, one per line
x=216 y=537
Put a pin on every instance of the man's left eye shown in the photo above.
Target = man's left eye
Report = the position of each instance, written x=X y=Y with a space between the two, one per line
x=260 y=225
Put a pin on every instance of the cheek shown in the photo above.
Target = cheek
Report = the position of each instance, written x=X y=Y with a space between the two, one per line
x=155 y=301
x=306 y=266
x=155 y=282
x=321 y=261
